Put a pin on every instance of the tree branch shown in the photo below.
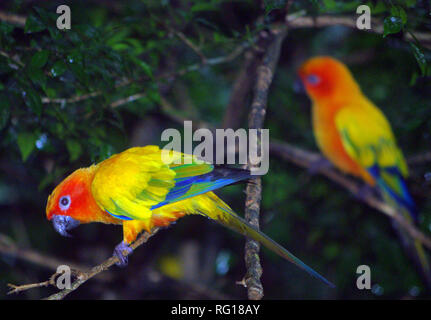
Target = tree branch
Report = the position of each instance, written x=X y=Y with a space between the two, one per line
x=306 y=159
x=14 y=59
x=242 y=87
x=13 y=18
x=24 y=287
x=82 y=276
x=8 y=247
x=265 y=73
x=190 y=44
x=419 y=158
x=295 y=22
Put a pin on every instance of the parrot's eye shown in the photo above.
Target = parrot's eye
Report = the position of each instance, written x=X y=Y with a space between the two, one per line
x=64 y=202
x=313 y=79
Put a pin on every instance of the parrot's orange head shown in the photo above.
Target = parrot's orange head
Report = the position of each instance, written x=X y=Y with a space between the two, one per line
x=326 y=78
x=71 y=202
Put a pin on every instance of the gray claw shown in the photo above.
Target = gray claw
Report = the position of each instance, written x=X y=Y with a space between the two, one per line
x=118 y=252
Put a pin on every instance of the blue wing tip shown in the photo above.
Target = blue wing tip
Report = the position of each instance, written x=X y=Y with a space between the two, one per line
x=316 y=275
x=330 y=284
x=320 y=277
x=327 y=282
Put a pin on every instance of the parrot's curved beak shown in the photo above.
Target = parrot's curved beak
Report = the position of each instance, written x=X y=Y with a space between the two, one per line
x=64 y=223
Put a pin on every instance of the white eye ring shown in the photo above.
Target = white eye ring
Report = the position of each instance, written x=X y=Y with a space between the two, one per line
x=64 y=202
x=313 y=79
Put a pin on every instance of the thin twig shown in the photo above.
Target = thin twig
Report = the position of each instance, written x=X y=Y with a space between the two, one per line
x=174 y=114
x=13 y=18
x=72 y=99
x=14 y=59
x=190 y=44
x=126 y=100
x=209 y=62
x=82 y=276
x=295 y=22
x=212 y=61
x=24 y=287
x=419 y=158
x=8 y=247
x=306 y=159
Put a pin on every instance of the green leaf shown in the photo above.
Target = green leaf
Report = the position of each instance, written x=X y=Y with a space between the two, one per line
x=75 y=63
x=101 y=151
x=33 y=24
x=58 y=68
x=37 y=76
x=392 y=24
x=398 y=11
x=26 y=144
x=377 y=8
x=117 y=37
x=330 y=4
x=39 y=59
x=32 y=100
x=275 y=4
x=420 y=58
x=331 y=251
x=6 y=28
x=145 y=67
x=154 y=95
x=205 y=6
x=413 y=79
x=120 y=47
x=410 y=3
x=106 y=151
x=395 y=22
x=74 y=148
x=4 y=66
x=55 y=33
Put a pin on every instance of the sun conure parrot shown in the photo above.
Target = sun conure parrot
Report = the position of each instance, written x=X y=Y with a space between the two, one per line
x=145 y=187
x=357 y=138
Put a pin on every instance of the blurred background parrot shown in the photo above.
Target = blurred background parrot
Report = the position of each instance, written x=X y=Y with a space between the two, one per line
x=357 y=138
x=142 y=189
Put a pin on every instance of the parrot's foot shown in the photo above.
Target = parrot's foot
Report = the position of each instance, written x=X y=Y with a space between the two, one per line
x=118 y=252
x=319 y=164
x=365 y=191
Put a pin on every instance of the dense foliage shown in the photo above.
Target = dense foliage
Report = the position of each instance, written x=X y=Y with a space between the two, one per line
x=128 y=70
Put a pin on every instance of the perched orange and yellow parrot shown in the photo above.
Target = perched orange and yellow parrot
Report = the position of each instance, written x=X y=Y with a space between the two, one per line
x=357 y=138
x=145 y=187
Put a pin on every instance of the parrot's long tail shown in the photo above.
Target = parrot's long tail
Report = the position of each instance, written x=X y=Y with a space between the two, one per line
x=213 y=207
x=406 y=207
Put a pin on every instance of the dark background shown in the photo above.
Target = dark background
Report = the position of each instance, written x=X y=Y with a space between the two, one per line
x=143 y=43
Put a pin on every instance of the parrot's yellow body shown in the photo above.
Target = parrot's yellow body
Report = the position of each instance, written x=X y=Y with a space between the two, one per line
x=146 y=187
